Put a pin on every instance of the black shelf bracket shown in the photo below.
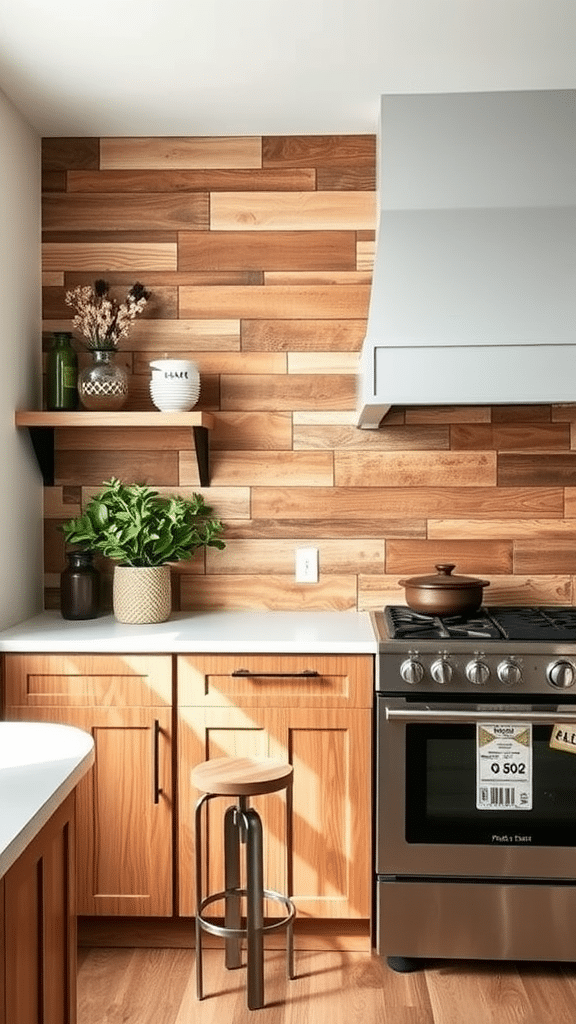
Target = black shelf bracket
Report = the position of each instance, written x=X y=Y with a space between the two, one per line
x=202 y=454
x=42 y=439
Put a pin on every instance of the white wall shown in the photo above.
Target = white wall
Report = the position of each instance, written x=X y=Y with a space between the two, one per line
x=21 y=559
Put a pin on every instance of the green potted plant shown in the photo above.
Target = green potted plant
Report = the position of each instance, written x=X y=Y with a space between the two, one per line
x=143 y=531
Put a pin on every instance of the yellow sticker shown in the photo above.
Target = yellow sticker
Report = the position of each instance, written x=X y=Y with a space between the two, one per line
x=564 y=738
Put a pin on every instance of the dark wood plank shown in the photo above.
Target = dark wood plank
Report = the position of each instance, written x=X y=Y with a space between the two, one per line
x=470 y=556
x=318 y=150
x=509 y=437
x=549 y=470
x=64 y=154
x=215 y=179
x=125 y=212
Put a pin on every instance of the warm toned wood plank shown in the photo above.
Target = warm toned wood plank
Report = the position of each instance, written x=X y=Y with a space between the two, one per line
x=322 y=362
x=564 y=413
x=54 y=181
x=162 y=304
x=290 y=391
x=102 y=256
x=570 y=502
x=267 y=250
x=293 y=469
x=550 y=470
x=152 y=467
x=214 y=179
x=387 y=438
x=448 y=414
x=319 y=526
x=407 y=468
x=510 y=437
x=336 y=593
x=278 y=556
x=555 y=556
x=221 y=361
x=180 y=153
x=315 y=335
x=318 y=150
x=506 y=529
x=470 y=556
x=252 y=430
x=157 y=337
x=434 y=502
x=521 y=413
x=365 y=252
x=122 y=212
x=319 y=277
x=307 y=301
x=342 y=178
x=261 y=211
x=63 y=154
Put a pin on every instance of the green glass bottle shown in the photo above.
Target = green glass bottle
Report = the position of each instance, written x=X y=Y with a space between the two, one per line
x=62 y=374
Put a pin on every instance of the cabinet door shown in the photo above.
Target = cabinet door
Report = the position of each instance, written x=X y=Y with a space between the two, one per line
x=329 y=866
x=124 y=809
x=40 y=926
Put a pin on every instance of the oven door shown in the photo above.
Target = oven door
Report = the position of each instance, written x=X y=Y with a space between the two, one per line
x=434 y=817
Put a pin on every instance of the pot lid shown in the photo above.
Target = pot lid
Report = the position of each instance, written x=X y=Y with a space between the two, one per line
x=444 y=580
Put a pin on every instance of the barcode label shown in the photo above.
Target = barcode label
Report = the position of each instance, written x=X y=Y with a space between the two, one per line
x=498 y=796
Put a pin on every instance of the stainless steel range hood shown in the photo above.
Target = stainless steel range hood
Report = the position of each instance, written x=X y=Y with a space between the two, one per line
x=474 y=290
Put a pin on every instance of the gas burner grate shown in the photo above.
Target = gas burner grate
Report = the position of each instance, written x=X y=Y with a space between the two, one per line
x=405 y=624
x=494 y=623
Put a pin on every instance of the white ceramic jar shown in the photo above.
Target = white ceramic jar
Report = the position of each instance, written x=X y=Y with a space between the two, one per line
x=174 y=385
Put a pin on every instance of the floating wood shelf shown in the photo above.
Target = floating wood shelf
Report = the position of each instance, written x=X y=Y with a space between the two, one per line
x=41 y=426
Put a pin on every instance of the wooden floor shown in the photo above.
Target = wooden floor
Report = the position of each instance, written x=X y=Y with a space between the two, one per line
x=156 y=986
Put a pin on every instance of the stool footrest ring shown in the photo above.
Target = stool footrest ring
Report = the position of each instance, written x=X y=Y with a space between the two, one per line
x=239 y=933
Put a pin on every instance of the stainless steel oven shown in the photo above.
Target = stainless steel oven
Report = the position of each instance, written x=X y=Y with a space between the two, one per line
x=475 y=784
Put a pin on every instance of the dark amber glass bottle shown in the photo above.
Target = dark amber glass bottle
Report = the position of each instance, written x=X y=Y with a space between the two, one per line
x=62 y=374
x=79 y=587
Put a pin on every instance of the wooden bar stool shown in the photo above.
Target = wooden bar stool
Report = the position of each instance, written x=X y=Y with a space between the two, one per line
x=242 y=777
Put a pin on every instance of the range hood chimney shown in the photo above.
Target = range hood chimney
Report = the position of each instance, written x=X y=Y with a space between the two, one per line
x=474 y=290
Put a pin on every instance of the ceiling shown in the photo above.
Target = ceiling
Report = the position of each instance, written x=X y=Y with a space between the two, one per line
x=255 y=67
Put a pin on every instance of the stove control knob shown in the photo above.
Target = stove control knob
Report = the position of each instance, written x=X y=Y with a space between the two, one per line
x=412 y=671
x=441 y=671
x=477 y=672
x=509 y=672
x=561 y=674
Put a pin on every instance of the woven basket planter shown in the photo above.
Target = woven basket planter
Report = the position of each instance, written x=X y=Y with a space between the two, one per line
x=141 y=595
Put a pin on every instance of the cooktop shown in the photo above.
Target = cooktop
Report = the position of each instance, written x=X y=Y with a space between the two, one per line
x=533 y=623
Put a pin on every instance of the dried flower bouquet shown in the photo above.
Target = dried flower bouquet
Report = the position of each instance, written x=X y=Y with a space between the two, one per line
x=101 y=319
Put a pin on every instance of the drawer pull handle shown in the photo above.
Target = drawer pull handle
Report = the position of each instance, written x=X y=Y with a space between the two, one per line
x=157 y=790
x=247 y=674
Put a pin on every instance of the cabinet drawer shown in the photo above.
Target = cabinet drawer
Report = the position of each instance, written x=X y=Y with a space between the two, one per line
x=282 y=681
x=101 y=680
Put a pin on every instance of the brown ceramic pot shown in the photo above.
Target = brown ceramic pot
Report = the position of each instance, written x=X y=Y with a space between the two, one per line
x=444 y=594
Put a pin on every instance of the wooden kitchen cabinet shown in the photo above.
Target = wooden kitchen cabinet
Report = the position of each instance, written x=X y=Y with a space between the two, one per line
x=124 y=807
x=38 y=928
x=314 y=711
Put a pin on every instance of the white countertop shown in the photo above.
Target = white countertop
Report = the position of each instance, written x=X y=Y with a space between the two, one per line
x=40 y=764
x=226 y=632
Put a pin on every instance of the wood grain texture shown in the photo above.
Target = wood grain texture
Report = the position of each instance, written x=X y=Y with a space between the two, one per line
x=294 y=391
x=122 y=212
x=64 y=154
x=510 y=437
x=335 y=437
x=277 y=556
x=291 y=211
x=550 y=470
x=408 y=468
x=201 y=179
x=294 y=469
x=555 y=556
x=318 y=150
x=333 y=593
x=98 y=257
x=307 y=334
x=470 y=556
x=269 y=250
x=277 y=301
x=180 y=153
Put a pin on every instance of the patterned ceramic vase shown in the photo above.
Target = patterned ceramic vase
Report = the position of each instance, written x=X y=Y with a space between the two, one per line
x=103 y=384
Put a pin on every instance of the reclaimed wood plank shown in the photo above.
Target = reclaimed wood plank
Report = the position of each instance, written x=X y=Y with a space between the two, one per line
x=303 y=334
x=291 y=391
x=82 y=153
x=410 y=468
x=427 y=502
x=537 y=470
x=508 y=437
x=281 y=593
x=276 y=556
x=99 y=257
x=275 y=301
x=557 y=555
x=124 y=212
x=319 y=526
x=266 y=250
x=318 y=150
x=178 y=153
x=200 y=179
x=249 y=468
x=400 y=438
x=265 y=211
x=471 y=556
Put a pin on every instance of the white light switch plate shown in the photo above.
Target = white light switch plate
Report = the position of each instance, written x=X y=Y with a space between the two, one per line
x=306 y=565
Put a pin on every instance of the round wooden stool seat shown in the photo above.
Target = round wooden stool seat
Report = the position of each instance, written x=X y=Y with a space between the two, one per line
x=242 y=776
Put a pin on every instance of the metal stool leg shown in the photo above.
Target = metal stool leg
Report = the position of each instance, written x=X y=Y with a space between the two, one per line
x=232 y=915
x=198 y=855
x=289 y=887
x=255 y=909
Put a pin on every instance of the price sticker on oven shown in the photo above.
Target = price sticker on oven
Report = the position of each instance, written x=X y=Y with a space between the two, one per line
x=503 y=766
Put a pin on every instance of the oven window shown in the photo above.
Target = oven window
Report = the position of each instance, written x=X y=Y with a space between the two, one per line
x=441 y=792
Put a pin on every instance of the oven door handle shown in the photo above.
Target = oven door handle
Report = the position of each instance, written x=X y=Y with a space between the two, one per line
x=430 y=715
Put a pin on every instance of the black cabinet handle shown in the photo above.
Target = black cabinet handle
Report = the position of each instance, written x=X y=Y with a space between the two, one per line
x=247 y=674
x=157 y=790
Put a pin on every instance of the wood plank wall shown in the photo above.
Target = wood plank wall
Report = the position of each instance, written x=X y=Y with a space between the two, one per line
x=258 y=252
